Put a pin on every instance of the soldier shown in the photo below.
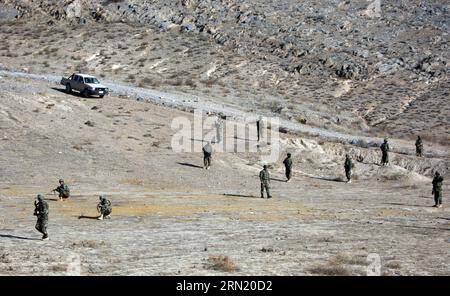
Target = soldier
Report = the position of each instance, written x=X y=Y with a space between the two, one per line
x=385 y=150
x=41 y=211
x=63 y=190
x=104 y=208
x=288 y=166
x=437 y=189
x=207 y=155
x=419 y=146
x=264 y=177
x=348 y=165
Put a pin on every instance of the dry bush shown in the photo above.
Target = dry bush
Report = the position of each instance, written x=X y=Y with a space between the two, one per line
x=190 y=82
x=222 y=263
x=333 y=270
x=141 y=48
x=88 y=244
x=341 y=259
x=134 y=181
x=174 y=82
x=4 y=259
x=141 y=60
x=77 y=147
x=58 y=268
x=112 y=1
x=11 y=55
x=393 y=265
x=149 y=82
x=5 y=46
x=299 y=119
x=209 y=82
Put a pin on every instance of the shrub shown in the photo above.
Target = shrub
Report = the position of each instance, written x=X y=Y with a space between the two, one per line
x=222 y=263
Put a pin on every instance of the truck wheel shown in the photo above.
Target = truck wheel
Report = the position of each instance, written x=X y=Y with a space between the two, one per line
x=68 y=88
x=101 y=96
x=84 y=93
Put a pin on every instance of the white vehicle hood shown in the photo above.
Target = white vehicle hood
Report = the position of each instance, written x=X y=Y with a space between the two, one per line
x=95 y=85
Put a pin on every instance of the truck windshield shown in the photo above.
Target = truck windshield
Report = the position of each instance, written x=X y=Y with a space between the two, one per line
x=91 y=80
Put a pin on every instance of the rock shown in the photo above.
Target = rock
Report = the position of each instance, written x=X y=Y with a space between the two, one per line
x=89 y=123
x=73 y=10
x=189 y=27
x=187 y=3
x=8 y=13
x=350 y=70
x=373 y=10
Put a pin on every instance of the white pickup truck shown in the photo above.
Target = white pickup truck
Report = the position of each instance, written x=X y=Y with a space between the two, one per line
x=87 y=85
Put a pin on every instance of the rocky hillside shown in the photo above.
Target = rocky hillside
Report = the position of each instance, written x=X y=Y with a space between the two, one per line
x=374 y=66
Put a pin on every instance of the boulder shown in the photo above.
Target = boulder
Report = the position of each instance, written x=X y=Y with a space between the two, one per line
x=73 y=10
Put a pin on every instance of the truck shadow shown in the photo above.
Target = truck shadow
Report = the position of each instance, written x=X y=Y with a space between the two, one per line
x=75 y=94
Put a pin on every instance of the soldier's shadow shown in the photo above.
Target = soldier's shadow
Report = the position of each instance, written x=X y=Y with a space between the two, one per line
x=17 y=237
x=88 y=217
x=330 y=179
x=240 y=195
x=190 y=165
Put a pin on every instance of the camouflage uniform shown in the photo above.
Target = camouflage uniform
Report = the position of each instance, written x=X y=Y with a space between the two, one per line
x=264 y=177
x=385 y=152
x=41 y=211
x=348 y=165
x=104 y=207
x=62 y=189
x=288 y=166
x=207 y=155
x=437 y=189
x=419 y=146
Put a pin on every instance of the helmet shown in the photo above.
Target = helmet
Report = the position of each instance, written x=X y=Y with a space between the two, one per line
x=61 y=180
x=101 y=197
x=289 y=155
x=265 y=166
x=40 y=196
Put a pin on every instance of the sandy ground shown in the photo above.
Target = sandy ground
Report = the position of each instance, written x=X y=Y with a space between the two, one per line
x=170 y=216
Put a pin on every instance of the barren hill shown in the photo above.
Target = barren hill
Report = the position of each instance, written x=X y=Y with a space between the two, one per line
x=336 y=67
x=342 y=65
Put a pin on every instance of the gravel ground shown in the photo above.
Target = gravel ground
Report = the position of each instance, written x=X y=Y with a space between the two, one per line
x=170 y=217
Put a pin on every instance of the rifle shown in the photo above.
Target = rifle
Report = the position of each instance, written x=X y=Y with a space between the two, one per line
x=36 y=208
